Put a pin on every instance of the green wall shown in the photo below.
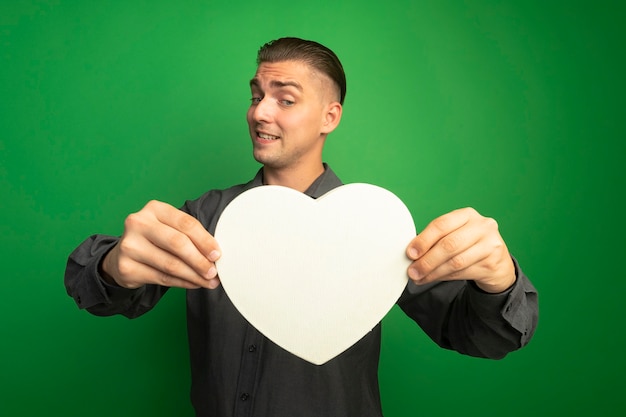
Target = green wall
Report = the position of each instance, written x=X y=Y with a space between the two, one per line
x=513 y=107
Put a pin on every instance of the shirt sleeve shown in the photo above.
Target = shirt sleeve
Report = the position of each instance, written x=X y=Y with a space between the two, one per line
x=86 y=286
x=460 y=316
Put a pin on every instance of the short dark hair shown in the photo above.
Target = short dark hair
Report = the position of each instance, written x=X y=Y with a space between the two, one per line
x=312 y=53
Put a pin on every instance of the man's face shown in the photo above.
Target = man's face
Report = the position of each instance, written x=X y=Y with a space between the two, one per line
x=288 y=116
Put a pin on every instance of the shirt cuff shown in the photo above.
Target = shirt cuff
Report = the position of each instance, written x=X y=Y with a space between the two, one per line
x=517 y=305
x=108 y=293
x=493 y=304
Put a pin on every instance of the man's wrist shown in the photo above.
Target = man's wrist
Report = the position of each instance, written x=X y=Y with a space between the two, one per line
x=496 y=288
x=102 y=270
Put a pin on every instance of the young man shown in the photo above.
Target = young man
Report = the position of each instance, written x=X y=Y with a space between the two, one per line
x=465 y=290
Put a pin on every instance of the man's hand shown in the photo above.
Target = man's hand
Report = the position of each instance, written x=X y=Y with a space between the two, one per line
x=462 y=245
x=163 y=245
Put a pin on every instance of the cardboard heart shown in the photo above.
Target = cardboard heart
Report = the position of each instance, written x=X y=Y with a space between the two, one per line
x=314 y=275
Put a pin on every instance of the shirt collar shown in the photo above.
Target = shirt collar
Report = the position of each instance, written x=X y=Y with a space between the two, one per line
x=322 y=184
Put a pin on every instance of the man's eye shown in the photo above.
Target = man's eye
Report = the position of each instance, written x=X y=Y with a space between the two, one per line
x=255 y=100
x=287 y=102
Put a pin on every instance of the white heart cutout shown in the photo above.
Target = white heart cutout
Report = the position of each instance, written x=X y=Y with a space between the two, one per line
x=314 y=275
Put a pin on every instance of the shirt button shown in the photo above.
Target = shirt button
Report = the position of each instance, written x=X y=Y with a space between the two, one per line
x=244 y=396
x=252 y=348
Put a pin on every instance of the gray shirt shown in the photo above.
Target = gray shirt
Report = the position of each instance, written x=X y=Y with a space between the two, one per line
x=238 y=372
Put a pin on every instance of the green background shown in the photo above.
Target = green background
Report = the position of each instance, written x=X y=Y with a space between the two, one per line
x=513 y=107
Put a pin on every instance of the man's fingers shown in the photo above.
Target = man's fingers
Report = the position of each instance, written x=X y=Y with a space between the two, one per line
x=163 y=245
x=463 y=265
x=461 y=245
x=151 y=275
x=445 y=243
x=188 y=226
x=157 y=266
x=173 y=264
x=437 y=229
x=176 y=251
x=177 y=233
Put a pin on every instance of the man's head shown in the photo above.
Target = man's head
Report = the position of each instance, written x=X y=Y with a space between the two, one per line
x=312 y=53
x=296 y=103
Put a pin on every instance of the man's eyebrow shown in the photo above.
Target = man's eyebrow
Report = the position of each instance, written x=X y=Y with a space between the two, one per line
x=282 y=84
x=277 y=84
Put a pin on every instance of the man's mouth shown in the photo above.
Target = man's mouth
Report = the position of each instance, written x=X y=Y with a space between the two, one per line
x=265 y=136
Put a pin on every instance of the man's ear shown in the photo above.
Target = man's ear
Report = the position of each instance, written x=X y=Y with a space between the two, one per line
x=332 y=117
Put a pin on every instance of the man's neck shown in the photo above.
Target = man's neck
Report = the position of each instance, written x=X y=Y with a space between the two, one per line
x=298 y=179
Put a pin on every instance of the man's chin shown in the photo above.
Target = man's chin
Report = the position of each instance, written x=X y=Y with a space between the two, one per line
x=266 y=162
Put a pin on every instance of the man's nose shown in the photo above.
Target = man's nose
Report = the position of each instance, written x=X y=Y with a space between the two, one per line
x=262 y=111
